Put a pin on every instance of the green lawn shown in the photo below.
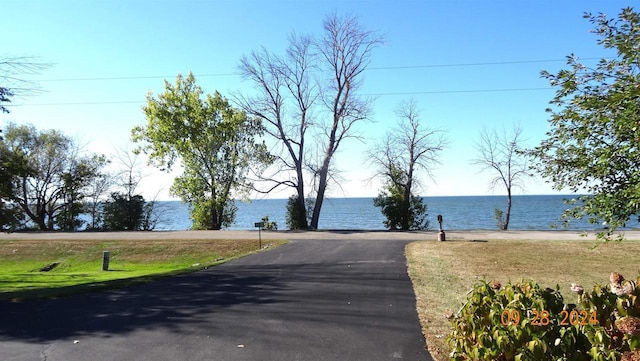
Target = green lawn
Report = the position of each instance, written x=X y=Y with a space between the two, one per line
x=443 y=272
x=80 y=263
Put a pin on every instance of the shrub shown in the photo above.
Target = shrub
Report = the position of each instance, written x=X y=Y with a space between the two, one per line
x=297 y=218
x=123 y=212
x=618 y=310
x=498 y=215
x=522 y=321
x=401 y=213
x=269 y=225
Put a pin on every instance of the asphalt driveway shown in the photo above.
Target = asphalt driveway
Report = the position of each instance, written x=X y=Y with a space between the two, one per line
x=309 y=300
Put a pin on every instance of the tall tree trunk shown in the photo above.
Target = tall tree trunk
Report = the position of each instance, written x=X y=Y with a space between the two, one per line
x=406 y=208
x=508 y=216
x=41 y=223
x=300 y=203
x=215 y=219
x=322 y=186
x=324 y=170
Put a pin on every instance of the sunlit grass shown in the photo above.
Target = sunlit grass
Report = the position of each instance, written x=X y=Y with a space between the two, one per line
x=79 y=266
x=443 y=272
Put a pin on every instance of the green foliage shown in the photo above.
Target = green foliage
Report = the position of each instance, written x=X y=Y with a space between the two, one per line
x=44 y=175
x=69 y=217
x=522 y=321
x=400 y=213
x=498 y=214
x=618 y=309
x=124 y=213
x=214 y=142
x=149 y=217
x=81 y=172
x=13 y=166
x=206 y=213
x=593 y=144
x=269 y=225
x=298 y=216
x=11 y=217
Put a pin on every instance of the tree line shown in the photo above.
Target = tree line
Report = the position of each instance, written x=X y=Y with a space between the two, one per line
x=47 y=183
x=306 y=104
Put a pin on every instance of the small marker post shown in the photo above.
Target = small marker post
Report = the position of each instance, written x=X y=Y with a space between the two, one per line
x=441 y=235
x=259 y=225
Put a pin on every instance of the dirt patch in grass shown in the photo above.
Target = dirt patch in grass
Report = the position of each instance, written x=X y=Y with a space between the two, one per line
x=443 y=272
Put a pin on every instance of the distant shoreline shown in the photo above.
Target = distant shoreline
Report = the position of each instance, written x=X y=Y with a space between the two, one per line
x=423 y=196
x=451 y=236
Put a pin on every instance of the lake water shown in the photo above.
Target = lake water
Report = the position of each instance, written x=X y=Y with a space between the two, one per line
x=529 y=212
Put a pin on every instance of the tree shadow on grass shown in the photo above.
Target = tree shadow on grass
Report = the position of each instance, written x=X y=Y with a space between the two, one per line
x=48 y=289
x=190 y=298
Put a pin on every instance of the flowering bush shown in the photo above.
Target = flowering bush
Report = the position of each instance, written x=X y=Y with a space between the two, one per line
x=618 y=308
x=522 y=321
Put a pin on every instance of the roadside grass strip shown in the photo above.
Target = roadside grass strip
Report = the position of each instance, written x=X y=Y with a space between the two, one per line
x=443 y=272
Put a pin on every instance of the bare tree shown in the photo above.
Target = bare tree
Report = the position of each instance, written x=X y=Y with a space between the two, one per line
x=98 y=190
x=128 y=178
x=345 y=48
x=129 y=175
x=405 y=151
x=291 y=101
x=501 y=153
x=277 y=79
x=12 y=77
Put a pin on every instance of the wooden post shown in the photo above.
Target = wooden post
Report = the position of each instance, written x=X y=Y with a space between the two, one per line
x=105 y=260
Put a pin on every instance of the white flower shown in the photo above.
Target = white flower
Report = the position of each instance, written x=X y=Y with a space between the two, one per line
x=577 y=288
x=625 y=288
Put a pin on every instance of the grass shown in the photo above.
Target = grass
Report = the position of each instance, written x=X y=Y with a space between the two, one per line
x=80 y=263
x=443 y=272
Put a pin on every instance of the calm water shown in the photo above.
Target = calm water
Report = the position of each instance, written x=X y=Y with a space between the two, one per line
x=529 y=212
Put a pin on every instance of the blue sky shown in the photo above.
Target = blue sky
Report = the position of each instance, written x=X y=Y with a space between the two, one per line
x=467 y=64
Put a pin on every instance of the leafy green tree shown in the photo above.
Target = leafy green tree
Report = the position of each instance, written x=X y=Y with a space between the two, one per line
x=593 y=144
x=124 y=212
x=406 y=150
x=76 y=180
x=215 y=144
x=49 y=177
x=13 y=166
x=399 y=212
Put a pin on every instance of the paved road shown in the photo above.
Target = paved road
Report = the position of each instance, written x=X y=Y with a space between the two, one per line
x=308 y=300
